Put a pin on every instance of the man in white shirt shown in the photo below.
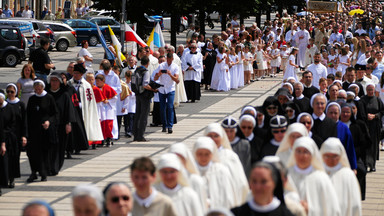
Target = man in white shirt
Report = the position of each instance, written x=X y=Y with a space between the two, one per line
x=168 y=75
x=318 y=70
x=85 y=8
x=336 y=36
x=192 y=65
x=27 y=13
x=79 y=11
x=360 y=29
x=290 y=35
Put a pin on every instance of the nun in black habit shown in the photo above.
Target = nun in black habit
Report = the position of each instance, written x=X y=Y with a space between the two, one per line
x=239 y=144
x=278 y=125
x=42 y=118
x=3 y=156
x=271 y=107
x=20 y=132
x=9 y=148
x=374 y=110
x=209 y=61
x=247 y=124
x=66 y=110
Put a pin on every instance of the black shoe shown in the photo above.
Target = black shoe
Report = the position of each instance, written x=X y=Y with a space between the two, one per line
x=128 y=135
x=11 y=183
x=373 y=169
x=69 y=156
x=170 y=130
x=93 y=146
x=164 y=130
x=154 y=125
x=43 y=178
x=141 y=140
x=32 y=177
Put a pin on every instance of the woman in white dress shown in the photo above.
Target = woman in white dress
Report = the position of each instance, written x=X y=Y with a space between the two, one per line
x=171 y=182
x=294 y=131
x=291 y=68
x=233 y=62
x=337 y=166
x=218 y=180
x=276 y=59
x=240 y=66
x=191 y=172
x=230 y=159
x=220 y=75
x=316 y=191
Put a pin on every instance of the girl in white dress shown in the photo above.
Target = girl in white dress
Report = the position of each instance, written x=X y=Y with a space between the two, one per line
x=290 y=71
x=284 y=54
x=344 y=61
x=276 y=59
x=261 y=64
x=240 y=66
x=247 y=65
x=233 y=61
x=220 y=75
x=332 y=62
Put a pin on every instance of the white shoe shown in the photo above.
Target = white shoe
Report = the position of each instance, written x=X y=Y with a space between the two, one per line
x=382 y=148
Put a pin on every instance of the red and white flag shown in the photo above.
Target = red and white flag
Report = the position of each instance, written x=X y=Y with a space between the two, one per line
x=131 y=35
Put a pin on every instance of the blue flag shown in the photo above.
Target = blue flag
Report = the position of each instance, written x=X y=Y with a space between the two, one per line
x=108 y=52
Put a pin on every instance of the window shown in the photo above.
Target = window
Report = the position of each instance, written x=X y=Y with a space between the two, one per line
x=109 y=22
x=9 y=34
x=83 y=24
x=58 y=28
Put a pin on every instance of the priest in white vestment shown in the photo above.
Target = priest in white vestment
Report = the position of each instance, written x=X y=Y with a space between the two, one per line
x=301 y=39
x=171 y=182
x=315 y=188
x=337 y=166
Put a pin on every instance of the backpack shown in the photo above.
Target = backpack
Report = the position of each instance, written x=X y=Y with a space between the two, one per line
x=137 y=80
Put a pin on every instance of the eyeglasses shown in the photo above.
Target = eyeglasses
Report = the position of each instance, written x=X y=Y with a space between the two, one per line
x=279 y=131
x=10 y=92
x=272 y=107
x=245 y=127
x=117 y=199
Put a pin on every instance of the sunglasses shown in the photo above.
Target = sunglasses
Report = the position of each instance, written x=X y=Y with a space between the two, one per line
x=117 y=199
x=279 y=131
x=10 y=92
x=245 y=127
x=272 y=107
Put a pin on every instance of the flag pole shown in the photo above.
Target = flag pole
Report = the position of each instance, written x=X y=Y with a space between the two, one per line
x=123 y=18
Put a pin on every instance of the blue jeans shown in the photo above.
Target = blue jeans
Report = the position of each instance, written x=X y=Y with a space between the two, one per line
x=166 y=109
x=42 y=76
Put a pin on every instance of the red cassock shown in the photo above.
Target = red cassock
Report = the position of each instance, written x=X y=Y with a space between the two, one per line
x=107 y=115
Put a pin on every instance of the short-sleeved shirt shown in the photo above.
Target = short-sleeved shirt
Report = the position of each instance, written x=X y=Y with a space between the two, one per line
x=39 y=58
x=8 y=12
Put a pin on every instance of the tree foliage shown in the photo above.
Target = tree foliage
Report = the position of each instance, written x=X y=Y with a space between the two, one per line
x=135 y=10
